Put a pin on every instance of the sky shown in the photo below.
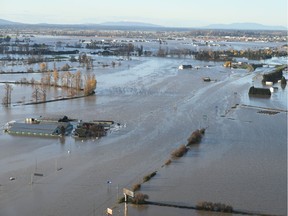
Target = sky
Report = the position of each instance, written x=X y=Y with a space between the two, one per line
x=172 y=13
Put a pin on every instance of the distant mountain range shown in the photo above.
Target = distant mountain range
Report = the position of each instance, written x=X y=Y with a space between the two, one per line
x=245 y=26
x=6 y=22
x=127 y=24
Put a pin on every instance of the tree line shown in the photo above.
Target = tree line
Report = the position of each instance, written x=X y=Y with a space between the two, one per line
x=73 y=82
x=222 y=55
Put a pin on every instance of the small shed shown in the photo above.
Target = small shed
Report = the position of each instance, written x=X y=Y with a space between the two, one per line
x=206 y=79
x=260 y=92
x=182 y=67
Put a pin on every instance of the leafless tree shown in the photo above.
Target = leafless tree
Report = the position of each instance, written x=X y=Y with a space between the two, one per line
x=7 y=98
x=36 y=94
x=46 y=79
x=43 y=94
x=55 y=77
x=90 y=84
x=66 y=79
x=78 y=80
x=43 y=67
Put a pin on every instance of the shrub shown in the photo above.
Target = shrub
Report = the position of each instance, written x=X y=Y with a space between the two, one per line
x=196 y=136
x=140 y=198
x=121 y=200
x=179 y=152
x=168 y=162
x=148 y=177
x=202 y=131
x=283 y=81
x=43 y=67
x=30 y=70
x=210 y=206
x=65 y=67
x=136 y=187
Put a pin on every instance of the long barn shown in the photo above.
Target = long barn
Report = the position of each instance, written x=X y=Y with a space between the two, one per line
x=41 y=128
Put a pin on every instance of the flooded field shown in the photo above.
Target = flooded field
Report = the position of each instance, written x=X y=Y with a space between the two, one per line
x=241 y=161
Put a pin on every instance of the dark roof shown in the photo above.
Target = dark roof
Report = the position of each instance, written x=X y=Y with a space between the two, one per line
x=36 y=129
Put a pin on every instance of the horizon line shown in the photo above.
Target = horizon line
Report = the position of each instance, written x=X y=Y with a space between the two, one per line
x=153 y=25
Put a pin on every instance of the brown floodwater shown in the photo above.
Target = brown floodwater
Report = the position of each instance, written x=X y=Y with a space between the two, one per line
x=241 y=161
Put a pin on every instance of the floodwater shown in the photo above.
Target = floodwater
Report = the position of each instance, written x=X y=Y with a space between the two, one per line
x=241 y=161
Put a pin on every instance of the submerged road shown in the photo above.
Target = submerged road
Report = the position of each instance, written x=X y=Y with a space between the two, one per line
x=159 y=106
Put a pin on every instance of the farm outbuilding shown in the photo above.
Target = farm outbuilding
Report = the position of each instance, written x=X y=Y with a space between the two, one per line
x=41 y=128
x=182 y=67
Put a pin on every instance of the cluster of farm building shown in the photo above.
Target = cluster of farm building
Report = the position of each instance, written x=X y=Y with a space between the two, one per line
x=57 y=127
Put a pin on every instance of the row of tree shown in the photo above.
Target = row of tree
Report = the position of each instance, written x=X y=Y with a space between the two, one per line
x=222 y=55
x=7 y=96
x=73 y=82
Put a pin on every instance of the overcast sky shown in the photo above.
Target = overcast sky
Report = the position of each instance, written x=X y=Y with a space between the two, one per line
x=181 y=13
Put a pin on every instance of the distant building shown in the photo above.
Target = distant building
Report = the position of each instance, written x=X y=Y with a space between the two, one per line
x=182 y=67
x=41 y=128
x=206 y=79
x=259 y=92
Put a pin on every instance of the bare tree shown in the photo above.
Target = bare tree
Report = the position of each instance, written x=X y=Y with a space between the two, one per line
x=130 y=48
x=7 y=98
x=43 y=67
x=43 y=94
x=89 y=63
x=65 y=67
x=82 y=58
x=46 y=79
x=36 y=94
x=161 y=52
x=32 y=81
x=66 y=79
x=78 y=80
x=55 y=76
x=90 y=84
